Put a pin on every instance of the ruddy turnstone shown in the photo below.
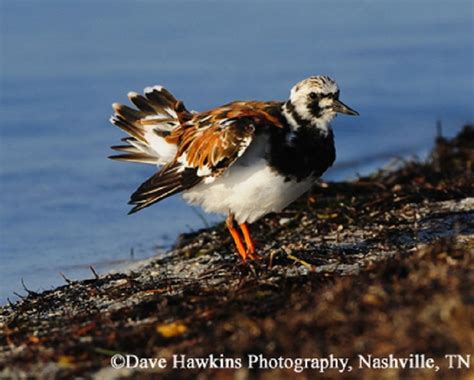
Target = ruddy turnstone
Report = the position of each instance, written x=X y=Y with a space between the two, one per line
x=244 y=159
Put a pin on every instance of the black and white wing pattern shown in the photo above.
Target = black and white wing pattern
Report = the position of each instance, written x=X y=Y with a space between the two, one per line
x=207 y=144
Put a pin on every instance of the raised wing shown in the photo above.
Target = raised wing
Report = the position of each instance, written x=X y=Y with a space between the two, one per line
x=207 y=143
x=169 y=180
x=147 y=126
x=211 y=141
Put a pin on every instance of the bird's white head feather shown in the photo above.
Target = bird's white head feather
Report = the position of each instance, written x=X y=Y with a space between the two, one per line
x=315 y=101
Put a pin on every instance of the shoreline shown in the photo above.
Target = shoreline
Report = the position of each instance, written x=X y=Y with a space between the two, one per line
x=357 y=167
x=378 y=265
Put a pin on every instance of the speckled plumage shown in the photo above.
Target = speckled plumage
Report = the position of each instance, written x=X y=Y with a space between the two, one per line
x=245 y=158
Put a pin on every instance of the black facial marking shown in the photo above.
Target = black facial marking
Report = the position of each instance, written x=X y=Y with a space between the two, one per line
x=314 y=107
x=290 y=108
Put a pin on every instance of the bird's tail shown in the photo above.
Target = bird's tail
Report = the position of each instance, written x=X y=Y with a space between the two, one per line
x=153 y=119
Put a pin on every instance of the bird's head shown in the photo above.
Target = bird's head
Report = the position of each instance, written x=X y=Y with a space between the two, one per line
x=315 y=100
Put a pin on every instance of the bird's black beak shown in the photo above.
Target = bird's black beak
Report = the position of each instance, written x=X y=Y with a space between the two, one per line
x=340 y=107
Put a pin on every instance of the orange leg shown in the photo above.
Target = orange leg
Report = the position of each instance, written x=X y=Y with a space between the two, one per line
x=248 y=239
x=236 y=236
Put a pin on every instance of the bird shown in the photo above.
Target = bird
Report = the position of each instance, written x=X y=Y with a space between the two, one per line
x=244 y=159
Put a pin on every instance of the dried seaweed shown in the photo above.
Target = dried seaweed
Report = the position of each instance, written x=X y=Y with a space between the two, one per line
x=378 y=265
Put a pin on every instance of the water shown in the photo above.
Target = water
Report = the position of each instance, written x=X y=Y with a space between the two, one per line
x=402 y=65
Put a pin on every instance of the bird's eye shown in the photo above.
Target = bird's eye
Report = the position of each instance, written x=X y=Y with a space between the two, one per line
x=313 y=95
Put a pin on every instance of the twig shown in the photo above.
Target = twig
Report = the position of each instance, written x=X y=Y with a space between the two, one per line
x=302 y=262
x=439 y=129
x=65 y=278
x=94 y=272
x=30 y=292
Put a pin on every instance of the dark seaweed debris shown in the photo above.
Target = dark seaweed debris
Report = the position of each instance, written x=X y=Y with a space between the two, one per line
x=379 y=265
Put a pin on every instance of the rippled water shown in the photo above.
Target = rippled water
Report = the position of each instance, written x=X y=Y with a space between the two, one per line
x=402 y=65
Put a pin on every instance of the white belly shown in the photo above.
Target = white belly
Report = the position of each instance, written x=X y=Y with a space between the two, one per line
x=249 y=191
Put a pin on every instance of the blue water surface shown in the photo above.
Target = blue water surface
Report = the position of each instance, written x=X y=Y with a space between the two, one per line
x=403 y=65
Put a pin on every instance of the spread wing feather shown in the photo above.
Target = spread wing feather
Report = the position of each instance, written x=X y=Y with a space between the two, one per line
x=147 y=125
x=207 y=143
x=171 y=179
x=211 y=141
